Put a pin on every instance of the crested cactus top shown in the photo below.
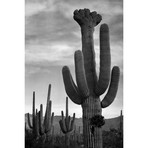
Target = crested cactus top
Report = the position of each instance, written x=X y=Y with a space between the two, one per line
x=86 y=18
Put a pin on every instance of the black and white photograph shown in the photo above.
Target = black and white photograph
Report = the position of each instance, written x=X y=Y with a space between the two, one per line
x=74 y=74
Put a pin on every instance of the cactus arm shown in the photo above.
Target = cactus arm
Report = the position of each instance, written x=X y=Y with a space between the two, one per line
x=52 y=118
x=121 y=114
x=33 y=114
x=66 y=107
x=70 y=86
x=48 y=109
x=41 y=120
x=105 y=60
x=69 y=123
x=121 y=125
x=62 y=114
x=49 y=92
x=72 y=122
x=48 y=120
x=50 y=124
x=36 y=111
x=73 y=118
x=47 y=116
x=112 y=91
x=33 y=110
x=62 y=123
x=37 y=124
x=66 y=118
x=80 y=74
x=29 y=121
x=62 y=126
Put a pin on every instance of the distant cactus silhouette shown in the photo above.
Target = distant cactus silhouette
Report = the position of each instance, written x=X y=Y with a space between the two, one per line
x=121 y=127
x=41 y=126
x=67 y=125
x=89 y=88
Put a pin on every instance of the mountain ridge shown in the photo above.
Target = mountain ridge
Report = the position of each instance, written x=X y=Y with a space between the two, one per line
x=109 y=123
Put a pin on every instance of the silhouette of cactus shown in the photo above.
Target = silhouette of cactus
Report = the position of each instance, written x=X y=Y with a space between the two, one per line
x=33 y=126
x=121 y=126
x=89 y=88
x=52 y=136
x=67 y=125
x=41 y=126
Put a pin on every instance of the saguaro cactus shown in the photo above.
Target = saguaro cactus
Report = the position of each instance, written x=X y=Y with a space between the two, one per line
x=67 y=125
x=33 y=126
x=41 y=126
x=121 y=125
x=89 y=88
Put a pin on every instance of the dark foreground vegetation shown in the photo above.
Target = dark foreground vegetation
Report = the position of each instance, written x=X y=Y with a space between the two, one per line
x=111 y=139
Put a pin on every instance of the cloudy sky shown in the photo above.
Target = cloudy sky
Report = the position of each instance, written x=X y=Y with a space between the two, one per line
x=52 y=36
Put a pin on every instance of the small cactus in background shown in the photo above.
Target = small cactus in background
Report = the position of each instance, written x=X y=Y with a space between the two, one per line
x=52 y=135
x=121 y=128
x=33 y=126
x=121 y=121
x=89 y=87
x=41 y=126
x=66 y=124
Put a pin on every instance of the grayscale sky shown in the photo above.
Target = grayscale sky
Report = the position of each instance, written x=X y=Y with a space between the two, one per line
x=52 y=37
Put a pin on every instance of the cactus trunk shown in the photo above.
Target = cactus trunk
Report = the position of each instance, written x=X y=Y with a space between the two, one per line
x=67 y=138
x=89 y=58
x=90 y=108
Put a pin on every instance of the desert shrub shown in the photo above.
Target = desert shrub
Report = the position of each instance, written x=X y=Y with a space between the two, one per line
x=112 y=139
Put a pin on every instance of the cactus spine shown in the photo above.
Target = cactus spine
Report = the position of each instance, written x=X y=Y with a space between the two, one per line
x=67 y=125
x=89 y=88
x=41 y=126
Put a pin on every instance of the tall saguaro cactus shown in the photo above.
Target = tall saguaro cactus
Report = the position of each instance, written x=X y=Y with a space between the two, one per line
x=41 y=126
x=67 y=125
x=89 y=87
